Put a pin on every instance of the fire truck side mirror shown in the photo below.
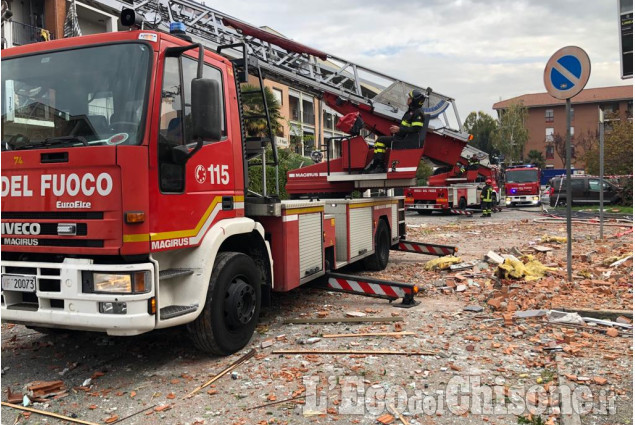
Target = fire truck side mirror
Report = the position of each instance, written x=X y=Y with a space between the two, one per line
x=206 y=109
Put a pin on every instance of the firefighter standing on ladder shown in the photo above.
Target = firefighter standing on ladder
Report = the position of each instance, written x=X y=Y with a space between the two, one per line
x=486 y=198
x=408 y=135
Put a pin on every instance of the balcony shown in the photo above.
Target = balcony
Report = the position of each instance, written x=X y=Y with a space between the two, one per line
x=26 y=34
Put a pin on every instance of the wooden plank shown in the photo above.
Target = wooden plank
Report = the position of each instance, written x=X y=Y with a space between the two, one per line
x=397 y=414
x=362 y=352
x=224 y=372
x=541 y=248
x=44 y=413
x=369 y=334
x=598 y=314
x=343 y=320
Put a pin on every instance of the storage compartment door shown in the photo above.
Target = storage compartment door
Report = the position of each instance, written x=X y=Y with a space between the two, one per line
x=311 y=250
x=361 y=231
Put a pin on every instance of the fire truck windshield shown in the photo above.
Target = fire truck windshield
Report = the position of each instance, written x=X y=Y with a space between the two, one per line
x=78 y=97
x=521 y=176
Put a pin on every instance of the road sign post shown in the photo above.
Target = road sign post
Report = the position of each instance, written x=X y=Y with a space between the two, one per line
x=566 y=74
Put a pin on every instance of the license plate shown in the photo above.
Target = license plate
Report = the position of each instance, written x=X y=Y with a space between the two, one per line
x=20 y=283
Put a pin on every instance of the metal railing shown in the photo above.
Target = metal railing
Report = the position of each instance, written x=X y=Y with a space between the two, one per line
x=27 y=34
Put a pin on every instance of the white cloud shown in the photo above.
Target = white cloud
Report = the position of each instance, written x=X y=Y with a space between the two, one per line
x=477 y=51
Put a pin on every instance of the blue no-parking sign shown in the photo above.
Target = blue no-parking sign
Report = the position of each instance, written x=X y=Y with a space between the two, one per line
x=567 y=72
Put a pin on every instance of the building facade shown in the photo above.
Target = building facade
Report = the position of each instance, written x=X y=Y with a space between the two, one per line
x=307 y=122
x=547 y=120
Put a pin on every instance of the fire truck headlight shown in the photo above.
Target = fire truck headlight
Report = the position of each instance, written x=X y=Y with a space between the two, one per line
x=120 y=283
x=508 y=200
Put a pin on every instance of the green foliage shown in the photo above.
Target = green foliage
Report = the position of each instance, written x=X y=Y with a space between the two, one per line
x=252 y=105
x=532 y=420
x=287 y=161
x=512 y=134
x=535 y=157
x=626 y=186
x=424 y=170
x=618 y=151
x=483 y=127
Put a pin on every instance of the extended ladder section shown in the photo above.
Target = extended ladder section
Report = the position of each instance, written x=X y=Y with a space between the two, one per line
x=293 y=63
x=379 y=99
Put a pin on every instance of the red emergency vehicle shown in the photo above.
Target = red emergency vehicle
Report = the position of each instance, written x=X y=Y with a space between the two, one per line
x=125 y=205
x=522 y=185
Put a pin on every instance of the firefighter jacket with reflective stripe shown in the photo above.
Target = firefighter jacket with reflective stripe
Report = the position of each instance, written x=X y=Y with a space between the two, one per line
x=379 y=146
x=411 y=128
x=486 y=193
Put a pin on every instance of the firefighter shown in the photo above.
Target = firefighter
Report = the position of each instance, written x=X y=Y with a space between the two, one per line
x=459 y=169
x=408 y=135
x=473 y=163
x=486 y=198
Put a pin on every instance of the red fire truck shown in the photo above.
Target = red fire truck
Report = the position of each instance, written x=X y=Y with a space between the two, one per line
x=125 y=205
x=522 y=185
x=452 y=191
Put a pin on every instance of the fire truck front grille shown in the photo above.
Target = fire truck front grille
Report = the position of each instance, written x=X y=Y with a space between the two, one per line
x=53 y=215
x=48 y=287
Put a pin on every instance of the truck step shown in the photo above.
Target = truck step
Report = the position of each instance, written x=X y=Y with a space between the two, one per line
x=426 y=248
x=173 y=311
x=173 y=273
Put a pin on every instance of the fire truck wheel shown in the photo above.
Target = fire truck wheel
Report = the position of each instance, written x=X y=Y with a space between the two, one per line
x=462 y=204
x=231 y=310
x=379 y=260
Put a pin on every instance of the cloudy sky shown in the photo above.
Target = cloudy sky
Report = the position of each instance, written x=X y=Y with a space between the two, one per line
x=477 y=51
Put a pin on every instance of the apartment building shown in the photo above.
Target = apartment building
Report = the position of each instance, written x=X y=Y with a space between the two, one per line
x=307 y=122
x=547 y=117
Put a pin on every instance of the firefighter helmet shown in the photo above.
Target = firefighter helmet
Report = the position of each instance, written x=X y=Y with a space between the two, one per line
x=488 y=181
x=417 y=98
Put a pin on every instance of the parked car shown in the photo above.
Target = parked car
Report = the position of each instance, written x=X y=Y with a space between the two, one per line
x=585 y=190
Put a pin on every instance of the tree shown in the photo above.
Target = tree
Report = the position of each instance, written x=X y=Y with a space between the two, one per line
x=287 y=160
x=535 y=157
x=618 y=151
x=253 y=106
x=512 y=134
x=483 y=127
x=424 y=170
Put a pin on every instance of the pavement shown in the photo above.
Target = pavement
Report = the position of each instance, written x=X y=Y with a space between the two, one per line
x=470 y=352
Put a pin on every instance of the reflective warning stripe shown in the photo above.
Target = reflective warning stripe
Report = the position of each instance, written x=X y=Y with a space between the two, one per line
x=417 y=124
x=423 y=248
x=368 y=287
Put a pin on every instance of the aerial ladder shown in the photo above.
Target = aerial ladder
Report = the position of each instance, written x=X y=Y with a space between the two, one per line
x=346 y=87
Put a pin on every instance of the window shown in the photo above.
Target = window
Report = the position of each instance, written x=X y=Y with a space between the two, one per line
x=548 y=115
x=308 y=115
x=74 y=93
x=294 y=107
x=549 y=134
x=549 y=152
x=594 y=185
x=175 y=125
x=277 y=94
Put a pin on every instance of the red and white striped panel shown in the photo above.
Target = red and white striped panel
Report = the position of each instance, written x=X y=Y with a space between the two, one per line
x=368 y=288
x=422 y=248
x=461 y=212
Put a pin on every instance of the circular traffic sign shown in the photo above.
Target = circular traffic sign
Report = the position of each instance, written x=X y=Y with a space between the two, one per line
x=567 y=72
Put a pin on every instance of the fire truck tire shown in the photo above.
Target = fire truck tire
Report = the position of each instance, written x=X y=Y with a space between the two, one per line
x=232 y=307
x=379 y=260
x=462 y=204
